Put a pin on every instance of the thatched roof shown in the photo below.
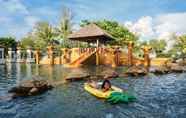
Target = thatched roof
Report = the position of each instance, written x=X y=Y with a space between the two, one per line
x=91 y=33
x=1 y=46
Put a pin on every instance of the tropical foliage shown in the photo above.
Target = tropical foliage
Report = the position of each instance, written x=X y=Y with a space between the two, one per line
x=179 y=48
x=65 y=25
x=158 y=46
x=8 y=42
x=44 y=34
x=121 y=34
x=27 y=41
x=65 y=28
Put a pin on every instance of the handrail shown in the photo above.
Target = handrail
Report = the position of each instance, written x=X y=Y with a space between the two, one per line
x=89 y=52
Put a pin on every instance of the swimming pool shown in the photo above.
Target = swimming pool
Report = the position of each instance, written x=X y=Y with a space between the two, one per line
x=158 y=96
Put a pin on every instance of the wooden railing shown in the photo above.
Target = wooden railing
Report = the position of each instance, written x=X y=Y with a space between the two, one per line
x=84 y=54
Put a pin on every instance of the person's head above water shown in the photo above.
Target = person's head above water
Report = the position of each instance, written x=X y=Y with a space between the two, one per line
x=106 y=85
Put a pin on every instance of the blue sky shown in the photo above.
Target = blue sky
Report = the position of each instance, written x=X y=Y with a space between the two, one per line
x=151 y=17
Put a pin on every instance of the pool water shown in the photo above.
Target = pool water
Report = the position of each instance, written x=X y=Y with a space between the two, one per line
x=157 y=96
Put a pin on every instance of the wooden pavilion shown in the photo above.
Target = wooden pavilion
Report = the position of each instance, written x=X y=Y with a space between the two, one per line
x=91 y=34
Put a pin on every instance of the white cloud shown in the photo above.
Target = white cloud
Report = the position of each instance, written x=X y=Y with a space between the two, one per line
x=9 y=24
x=13 y=6
x=16 y=20
x=171 y=23
x=161 y=26
x=12 y=28
x=31 y=20
x=164 y=26
x=143 y=27
x=169 y=37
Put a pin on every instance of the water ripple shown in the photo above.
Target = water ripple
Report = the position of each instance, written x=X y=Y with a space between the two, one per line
x=158 y=96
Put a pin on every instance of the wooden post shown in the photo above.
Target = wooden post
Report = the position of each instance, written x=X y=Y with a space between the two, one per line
x=146 y=50
x=97 y=52
x=60 y=55
x=130 y=55
x=51 y=55
x=117 y=51
x=114 y=60
x=37 y=56
x=75 y=53
x=65 y=56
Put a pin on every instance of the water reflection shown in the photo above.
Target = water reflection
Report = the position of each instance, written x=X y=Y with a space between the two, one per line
x=18 y=73
x=28 y=71
x=36 y=70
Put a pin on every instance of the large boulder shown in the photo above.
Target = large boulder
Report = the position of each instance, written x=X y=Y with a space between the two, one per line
x=175 y=67
x=31 y=87
x=184 y=68
x=96 y=77
x=111 y=75
x=76 y=77
x=136 y=71
x=108 y=74
x=181 y=62
x=104 y=75
x=159 y=70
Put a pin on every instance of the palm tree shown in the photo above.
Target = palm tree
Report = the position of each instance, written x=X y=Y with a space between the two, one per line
x=65 y=26
x=44 y=34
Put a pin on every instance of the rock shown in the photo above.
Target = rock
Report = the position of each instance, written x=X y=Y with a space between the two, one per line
x=159 y=70
x=77 y=77
x=184 y=69
x=111 y=75
x=136 y=71
x=181 y=62
x=20 y=90
x=177 y=69
x=122 y=75
x=174 y=67
x=108 y=74
x=33 y=91
x=31 y=87
x=96 y=77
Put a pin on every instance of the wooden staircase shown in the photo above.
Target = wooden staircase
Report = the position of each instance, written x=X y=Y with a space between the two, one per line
x=82 y=58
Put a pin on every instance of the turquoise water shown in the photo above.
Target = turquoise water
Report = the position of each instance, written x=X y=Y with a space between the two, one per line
x=158 y=96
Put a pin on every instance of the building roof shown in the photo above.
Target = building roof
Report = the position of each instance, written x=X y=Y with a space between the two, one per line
x=1 y=46
x=91 y=33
